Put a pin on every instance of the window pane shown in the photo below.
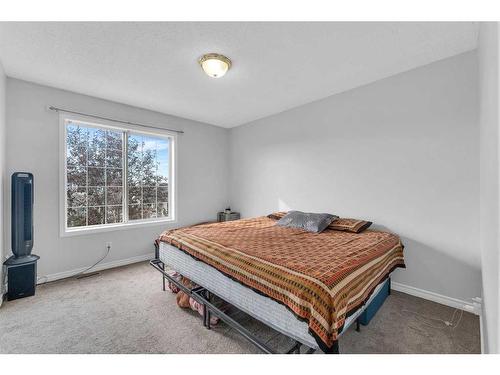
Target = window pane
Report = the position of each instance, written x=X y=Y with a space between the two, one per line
x=96 y=196
x=113 y=214
x=149 y=211
x=114 y=177
x=97 y=138
x=148 y=195
x=148 y=175
x=94 y=175
x=149 y=161
x=114 y=158
x=162 y=194
x=96 y=215
x=76 y=176
x=114 y=196
x=163 y=157
x=77 y=196
x=76 y=145
x=134 y=160
x=96 y=158
x=77 y=155
x=135 y=211
x=97 y=147
x=134 y=195
x=162 y=209
x=77 y=217
x=113 y=140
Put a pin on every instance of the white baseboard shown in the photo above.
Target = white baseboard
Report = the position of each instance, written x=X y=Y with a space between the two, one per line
x=436 y=297
x=411 y=290
x=99 y=267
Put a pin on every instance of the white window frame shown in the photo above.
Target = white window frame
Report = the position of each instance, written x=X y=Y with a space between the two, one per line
x=103 y=124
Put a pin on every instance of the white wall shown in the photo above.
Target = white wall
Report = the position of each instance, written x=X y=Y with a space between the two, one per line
x=489 y=165
x=33 y=136
x=2 y=175
x=402 y=152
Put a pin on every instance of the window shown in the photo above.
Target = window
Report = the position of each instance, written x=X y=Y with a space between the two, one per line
x=115 y=177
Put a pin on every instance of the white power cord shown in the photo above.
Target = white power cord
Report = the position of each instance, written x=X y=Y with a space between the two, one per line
x=108 y=249
x=447 y=323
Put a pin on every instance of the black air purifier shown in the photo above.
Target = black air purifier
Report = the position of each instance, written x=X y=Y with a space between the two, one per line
x=21 y=267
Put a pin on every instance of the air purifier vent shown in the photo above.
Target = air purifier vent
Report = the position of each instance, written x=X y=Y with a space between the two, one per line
x=22 y=214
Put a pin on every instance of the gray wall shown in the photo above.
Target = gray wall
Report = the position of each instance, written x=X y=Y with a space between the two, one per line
x=33 y=134
x=402 y=152
x=2 y=174
x=489 y=158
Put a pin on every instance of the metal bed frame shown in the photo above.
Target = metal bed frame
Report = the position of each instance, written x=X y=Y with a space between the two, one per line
x=206 y=299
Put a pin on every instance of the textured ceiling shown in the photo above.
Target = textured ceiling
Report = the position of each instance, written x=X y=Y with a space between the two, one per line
x=276 y=66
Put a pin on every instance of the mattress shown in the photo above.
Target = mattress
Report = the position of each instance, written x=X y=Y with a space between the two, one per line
x=263 y=308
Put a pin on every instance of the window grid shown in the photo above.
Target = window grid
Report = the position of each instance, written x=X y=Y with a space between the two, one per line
x=157 y=182
x=105 y=179
x=124 y=175
x=124 y=217
x=148 y=155
x=86 y=142
x=87 y=178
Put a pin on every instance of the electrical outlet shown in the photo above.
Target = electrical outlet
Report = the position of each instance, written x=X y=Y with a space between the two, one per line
x=474 y=308
x=477 y=300
x=469 y=308
x=108 y=245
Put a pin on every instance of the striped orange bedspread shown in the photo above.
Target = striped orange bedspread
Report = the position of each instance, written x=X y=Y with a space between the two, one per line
x=320 y=277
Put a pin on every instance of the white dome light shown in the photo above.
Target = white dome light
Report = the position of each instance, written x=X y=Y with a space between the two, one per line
x=215 y=65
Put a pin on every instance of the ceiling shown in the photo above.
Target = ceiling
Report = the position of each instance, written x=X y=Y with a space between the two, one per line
x=276 y=66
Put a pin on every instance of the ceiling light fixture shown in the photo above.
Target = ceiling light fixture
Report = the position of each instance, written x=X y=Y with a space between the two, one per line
x=214 y=64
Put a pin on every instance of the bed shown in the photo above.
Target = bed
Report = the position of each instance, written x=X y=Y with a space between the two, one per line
x=308 y=286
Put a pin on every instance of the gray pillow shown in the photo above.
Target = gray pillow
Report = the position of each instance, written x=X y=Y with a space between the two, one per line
x=310 y=222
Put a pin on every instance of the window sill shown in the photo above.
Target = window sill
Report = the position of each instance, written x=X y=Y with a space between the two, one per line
x=117 y=227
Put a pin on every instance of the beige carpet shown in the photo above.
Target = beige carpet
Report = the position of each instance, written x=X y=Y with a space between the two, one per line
x=124 y=310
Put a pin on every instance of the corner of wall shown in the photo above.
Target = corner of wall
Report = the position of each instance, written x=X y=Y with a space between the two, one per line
x=488 y=55
x=3 y=120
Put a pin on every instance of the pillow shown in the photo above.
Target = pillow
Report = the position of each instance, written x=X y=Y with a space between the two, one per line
x=350 y=225
x=342 y=224
x=276 y=215
x=309 y=222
